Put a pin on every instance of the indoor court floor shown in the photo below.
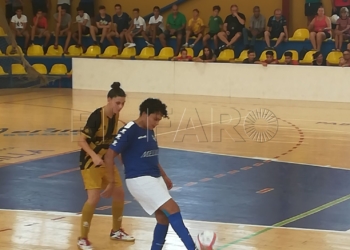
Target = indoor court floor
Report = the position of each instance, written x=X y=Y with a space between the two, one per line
x=262 y=174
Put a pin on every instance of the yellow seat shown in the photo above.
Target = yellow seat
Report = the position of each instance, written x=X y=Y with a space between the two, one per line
x=40 y=68
x=146 y=53
x=127 y=53
x=92 y=51
x=200 y=53
x=226 y=55
x=263 y=55
x=333 y=57
x=308 y=58
x=70 y=72
x=110 y=51
x=295 y=56
x=58 y=69
x=165 y=54
x=189 y=52
x=242 y=56
x=2 y=72
x=18 y=69
x=2 y=32
x=1 y=54
x=51 y=51
x=300 y=35
x=74 y=51
x=18 y=52
x=35 y=50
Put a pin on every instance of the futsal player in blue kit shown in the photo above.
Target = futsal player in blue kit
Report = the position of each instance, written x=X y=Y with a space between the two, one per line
x=145 y=178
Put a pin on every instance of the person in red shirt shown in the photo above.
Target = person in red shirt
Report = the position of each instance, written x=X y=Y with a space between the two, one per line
x=320 y=29
x=40 y=28
x=288 y=59
x=269 y=58
x=183 y=56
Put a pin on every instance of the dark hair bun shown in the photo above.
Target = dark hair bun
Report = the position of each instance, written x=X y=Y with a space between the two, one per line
x=115 y=85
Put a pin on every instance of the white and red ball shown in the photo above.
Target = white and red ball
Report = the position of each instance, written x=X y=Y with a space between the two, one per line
x=206 y=240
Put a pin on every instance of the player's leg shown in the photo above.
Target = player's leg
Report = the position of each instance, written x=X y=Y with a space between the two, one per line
x=160 y=231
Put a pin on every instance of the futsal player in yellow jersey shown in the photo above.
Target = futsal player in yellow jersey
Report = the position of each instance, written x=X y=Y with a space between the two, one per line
x=97 y=135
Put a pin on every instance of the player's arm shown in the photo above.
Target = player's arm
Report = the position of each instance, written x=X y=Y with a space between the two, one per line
x=85 y=146
x=166 y=179
x=162 y=172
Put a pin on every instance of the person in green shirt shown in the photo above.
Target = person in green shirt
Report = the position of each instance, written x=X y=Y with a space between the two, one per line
x=215 y=26
x=311 y=7
x=175 y=26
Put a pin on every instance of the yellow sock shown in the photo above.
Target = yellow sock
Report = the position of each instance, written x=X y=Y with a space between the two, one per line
x=86 y=217
x=117 y=212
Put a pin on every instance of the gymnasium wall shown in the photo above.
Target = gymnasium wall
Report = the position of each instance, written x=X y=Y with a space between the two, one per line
x=215 y=79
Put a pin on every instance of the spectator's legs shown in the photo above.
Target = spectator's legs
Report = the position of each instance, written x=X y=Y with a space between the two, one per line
x=205 y=39
x=144 y=35
x=267 y=38
x=32 y=33
x=312 y=38
x=200 y=35
x=47 y=36
x=320 y=37
x=245 y=38
x=188 y=34
x=57 y=33
x=162 y=40
x=104 y=34
x=122 y=37
x=216 y=41
x=235 y=38
x=280 y=39
x=127 y=36
x=93 y=31
x=110 y=37
x=26 y=39
x=66 y=45
x=223 y=37
x=340 y=41
x=178 y=43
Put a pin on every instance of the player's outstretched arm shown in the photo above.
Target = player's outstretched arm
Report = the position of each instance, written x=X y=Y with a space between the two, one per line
x=109 y=164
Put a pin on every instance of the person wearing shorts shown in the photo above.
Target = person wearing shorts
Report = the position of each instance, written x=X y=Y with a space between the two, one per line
x=255 y=30
x=19 y=28
x=103 y=25
x=63 y=27
x=195 y=29
x=215 y=26
x=276 y=28
x=156 y=26
x=320 y=29
x=310 y=9
x=40 y=28
x=137 y=28
x=84 y=24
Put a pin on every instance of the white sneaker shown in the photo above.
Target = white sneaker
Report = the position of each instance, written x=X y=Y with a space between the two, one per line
x=126 y=44
x=185 y=45
x=149 y=44
x=121 y=235
x=192 y=45
x=84 y=244
x=132 y=45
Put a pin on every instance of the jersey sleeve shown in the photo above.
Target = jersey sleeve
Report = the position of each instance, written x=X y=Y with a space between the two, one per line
x=92 y=125
x=123 y=139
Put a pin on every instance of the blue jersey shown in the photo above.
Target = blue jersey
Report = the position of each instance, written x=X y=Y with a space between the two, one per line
x=139 y=150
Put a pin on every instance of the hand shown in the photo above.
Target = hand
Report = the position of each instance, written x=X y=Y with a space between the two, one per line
x=107 y=193
x=228 y=33
x=97 y=160
x=235 y=14
x=168 y=182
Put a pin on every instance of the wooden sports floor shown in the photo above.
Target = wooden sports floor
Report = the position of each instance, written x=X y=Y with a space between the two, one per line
x=262 y=174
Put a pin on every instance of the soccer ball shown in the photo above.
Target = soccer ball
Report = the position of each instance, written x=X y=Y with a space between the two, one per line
x=334 y=19
x=206 y=240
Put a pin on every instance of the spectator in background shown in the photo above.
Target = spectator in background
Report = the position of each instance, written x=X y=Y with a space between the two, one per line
x=137 y=28
x=251 y=58
x=345 y=60
x=320 y=29
x=215 y=26
x=40 y=28
x=156 y=25
x=319 y=60
x=269 y=58
x=256 y=28
x=336 y=6
x=88 y=7
x=103 y=25
x=276 y=28
x=233 y=27
x=63 y=22
x=65 y=4
x=288 y=59
x=342 y=28
x=121 y=24
x=208 y=55
x=84 y=23
x=18 y=27
x=175 y=26
x=41 y=5
x=310 y=10
x=183 y=56
x=195 y=28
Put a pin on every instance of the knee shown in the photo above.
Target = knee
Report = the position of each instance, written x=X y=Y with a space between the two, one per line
x=282 y=35
x=161 y=218
x=267 y=33
x=118 y=194
x=93 y=198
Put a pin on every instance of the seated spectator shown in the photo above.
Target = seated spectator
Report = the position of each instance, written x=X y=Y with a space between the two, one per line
x=63 y=21
x=251 y=58
x=156 y=26
x=288 y=59
x=103 y=25
x=84 y=23
x=88 y=7
x=208 y=55
x=320 y=29
x=337 y=5
x=195 y=28
x=310 y=9
x=137 y=28
x=65 y=4
x=183 y=56
x=121 y=24
x=233 y=27
x=276 y=28
x=345 y=60
x=18 y=27
x=215 y=26
x=40 y=5
x=269 y=58
x=256 y=28
x=342 y=29
x=40 y=28
x=319 y=60
x=175 y=26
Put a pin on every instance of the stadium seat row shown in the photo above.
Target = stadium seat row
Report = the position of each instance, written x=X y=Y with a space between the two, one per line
x=57 y=69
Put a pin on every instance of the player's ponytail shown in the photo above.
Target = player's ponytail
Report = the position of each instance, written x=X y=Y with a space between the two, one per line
x=116 y=91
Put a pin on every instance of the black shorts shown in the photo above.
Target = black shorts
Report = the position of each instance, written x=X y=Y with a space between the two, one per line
x=85 y=31
x=65 y=6
x=99 y=31
x=212 y=34
x=168 y=35
x=88 y=8
x=37 y=7
x=9 y=11
x=311 y=9
x=232 y=34
x=328 y=35
x=275 y=35
x=194 y=35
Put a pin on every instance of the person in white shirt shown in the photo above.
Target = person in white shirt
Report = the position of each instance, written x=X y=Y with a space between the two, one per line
x=84 y=23
x=137 y=28
x=156 y=26
x=18 y=26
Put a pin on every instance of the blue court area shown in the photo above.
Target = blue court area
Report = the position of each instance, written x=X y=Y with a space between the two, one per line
x=208 y=187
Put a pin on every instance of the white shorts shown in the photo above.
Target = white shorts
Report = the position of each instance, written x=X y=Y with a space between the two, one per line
x=149 y=191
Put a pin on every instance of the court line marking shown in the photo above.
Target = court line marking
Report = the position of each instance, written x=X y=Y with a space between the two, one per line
x=288 y=221
x=239 y=225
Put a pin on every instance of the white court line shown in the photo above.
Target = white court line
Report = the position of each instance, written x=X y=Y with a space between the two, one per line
x=240 y=226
